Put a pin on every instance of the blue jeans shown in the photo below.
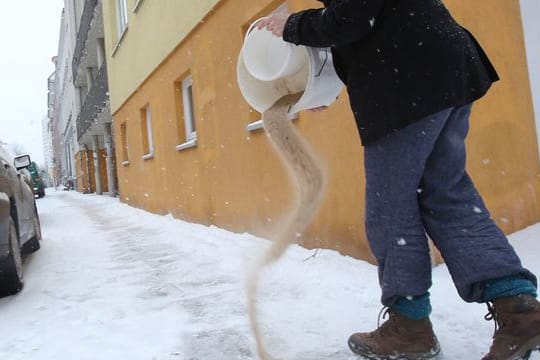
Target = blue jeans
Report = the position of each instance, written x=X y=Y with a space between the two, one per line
x=416 y=183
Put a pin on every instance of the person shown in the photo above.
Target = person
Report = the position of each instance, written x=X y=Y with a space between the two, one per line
x=412 y=73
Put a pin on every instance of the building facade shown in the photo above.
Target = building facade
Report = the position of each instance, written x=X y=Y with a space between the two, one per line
x=84 y=80
x=62 y=106
x=47 y=131
x=95 y=162
x=186 y=143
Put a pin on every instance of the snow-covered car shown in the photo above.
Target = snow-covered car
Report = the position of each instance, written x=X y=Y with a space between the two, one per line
x=20 y=230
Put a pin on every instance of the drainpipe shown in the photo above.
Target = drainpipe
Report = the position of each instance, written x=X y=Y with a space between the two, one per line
x=97 y=164
x=109 y=159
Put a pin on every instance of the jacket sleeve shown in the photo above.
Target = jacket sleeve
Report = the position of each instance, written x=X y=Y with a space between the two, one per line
x=340 y=23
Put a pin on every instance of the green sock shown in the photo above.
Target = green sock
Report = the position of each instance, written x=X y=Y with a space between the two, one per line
x=415 y=308
x=507 y=287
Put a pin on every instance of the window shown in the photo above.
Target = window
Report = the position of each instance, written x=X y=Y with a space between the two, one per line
x=187 y=134
x=137 y=5
x=122 y=16
x=146 y=133
x=124 y=139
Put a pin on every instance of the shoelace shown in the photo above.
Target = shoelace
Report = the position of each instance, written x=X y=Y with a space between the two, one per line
x=492 y=315
x=389 y=326
x=382 y=315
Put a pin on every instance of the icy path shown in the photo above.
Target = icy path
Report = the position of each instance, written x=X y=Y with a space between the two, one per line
x=113 y=282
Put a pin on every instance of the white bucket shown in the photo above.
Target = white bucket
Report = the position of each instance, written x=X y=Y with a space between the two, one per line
x=317 y=79
x=267 y=57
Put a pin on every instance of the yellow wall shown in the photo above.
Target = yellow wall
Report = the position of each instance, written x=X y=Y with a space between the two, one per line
x=153 y=31
x=234 y=179
x=503 y=156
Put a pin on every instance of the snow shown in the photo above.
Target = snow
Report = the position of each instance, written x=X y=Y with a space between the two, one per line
x=115 y=282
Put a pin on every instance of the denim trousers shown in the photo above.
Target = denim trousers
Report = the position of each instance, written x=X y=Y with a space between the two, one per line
x=417 y=186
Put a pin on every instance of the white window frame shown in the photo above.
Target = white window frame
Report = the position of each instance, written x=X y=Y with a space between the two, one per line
x=149 y=134
x=137 y=5
x=123 y=133
x=122 y=17
x=189 y=114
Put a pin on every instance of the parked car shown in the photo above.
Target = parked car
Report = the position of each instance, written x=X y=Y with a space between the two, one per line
x=20 y=230
x=38 y=185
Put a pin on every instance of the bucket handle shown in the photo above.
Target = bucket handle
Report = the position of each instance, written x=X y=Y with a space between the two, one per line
x=323 y=64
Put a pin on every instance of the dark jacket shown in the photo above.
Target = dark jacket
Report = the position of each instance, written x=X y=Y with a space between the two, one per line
x=401 y=60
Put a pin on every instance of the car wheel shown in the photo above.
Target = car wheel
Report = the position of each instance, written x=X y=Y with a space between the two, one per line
x=33 y=245
x=11 y=274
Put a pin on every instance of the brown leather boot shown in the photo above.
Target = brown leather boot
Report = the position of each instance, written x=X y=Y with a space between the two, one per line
x=517 y=327
x=398 y=338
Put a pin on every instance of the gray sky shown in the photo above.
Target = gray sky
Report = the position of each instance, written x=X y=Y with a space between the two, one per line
x=29 y=33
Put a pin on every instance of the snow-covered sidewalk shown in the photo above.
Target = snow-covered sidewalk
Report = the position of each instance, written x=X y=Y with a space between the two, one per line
x=114 y=282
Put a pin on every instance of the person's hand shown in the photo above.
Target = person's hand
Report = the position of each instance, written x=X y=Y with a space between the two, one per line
x=318 y=109
x=274 y=23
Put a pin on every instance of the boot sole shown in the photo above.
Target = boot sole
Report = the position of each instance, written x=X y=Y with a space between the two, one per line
x=524 y=352
x=368 y=354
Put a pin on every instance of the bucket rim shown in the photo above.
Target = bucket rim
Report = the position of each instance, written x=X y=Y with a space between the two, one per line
x=285 y=60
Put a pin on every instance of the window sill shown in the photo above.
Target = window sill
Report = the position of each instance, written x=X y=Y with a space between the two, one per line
x=125 y=163
x=256 y=125
x=188 y=144
x=147 y=156
x=137 y=5
x=117 y=46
